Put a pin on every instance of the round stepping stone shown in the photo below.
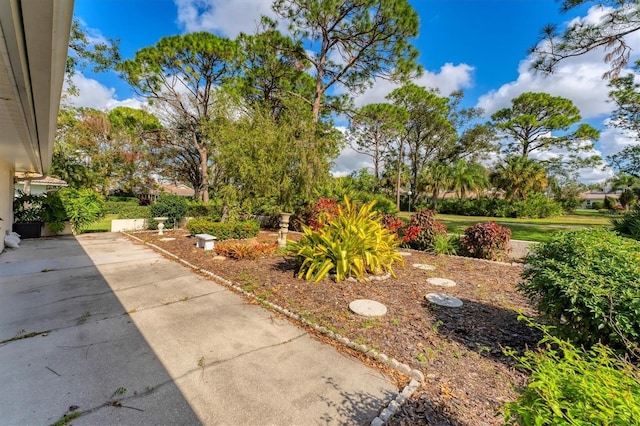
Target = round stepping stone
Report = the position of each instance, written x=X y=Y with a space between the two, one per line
x=367 y=308
x=404 y=253
x=442 y=299
x=424 y=266
x=441 y=282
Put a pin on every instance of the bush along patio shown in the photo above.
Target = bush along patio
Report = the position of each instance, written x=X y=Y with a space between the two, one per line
x=485 y=359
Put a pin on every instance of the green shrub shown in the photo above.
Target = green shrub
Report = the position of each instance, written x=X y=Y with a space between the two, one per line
x=27 y=208
x=486 y=241
x=171 y=206
x=597 y=205
x=130 y=211
x=83 y=207
x=491 y=207
x=422 y=230
x=352 y=244
x=197 y=209
x=121 y=199
x=245 y=229
x=537 y=205
x=446 y=244
x=383 y=204
x=588 y=283
x=116 y=207
x=628 y=225
x=572 y=386
x=224 y=230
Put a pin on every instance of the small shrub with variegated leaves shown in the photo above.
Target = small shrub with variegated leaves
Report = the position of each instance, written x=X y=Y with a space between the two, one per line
x=353 y=244
x=573 y=386
x=486 y=241
x=422 y=230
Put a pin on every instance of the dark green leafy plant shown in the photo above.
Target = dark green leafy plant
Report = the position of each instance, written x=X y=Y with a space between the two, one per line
x=83 y=207
x=573 y=386
x=486 y=241
x=446 y=244
x=352 y=244
x=587 y=282
x=174 y=207
x=224 y=230
x=628 y=224
x=27 y=208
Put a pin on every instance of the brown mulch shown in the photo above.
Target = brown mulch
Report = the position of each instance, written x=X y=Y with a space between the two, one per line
x=460 y=350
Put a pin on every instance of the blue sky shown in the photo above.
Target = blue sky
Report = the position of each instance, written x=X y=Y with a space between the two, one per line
x=479 y=46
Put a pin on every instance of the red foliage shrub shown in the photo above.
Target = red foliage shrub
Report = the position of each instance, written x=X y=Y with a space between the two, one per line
x=316 y=215
x=486 y=241
x=422 y=230
x=391 y=222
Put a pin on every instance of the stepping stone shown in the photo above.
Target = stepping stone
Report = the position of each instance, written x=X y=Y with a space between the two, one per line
x=404 y=253
x=424 y=266
x=441 y=282
x=442 y=299
x=367 y=308
x=167 y=239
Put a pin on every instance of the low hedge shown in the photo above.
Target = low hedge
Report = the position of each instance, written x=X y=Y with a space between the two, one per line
x=224 y=230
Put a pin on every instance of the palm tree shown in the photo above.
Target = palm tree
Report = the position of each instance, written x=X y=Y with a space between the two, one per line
x=518 y=176
x=629 y=186
x=466 y=176
x=435 y=177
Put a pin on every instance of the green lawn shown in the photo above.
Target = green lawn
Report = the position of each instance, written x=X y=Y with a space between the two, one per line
x=103 y=225
x=527 y=229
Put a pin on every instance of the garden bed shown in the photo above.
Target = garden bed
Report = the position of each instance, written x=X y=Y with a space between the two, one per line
x=459 y=350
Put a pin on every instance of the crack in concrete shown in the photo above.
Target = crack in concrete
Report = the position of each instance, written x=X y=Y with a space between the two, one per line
x=223 y=361
x=70 y=298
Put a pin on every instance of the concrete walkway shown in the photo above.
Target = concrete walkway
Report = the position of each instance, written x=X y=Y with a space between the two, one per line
x=128 y=337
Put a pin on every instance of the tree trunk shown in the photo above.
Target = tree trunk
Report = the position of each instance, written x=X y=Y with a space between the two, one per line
x=399 y=176
x=204 y=165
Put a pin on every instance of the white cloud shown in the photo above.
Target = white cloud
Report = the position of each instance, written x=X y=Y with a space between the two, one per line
x=225 y=17
x=449 y=78
x=92 y=94
x=613 y=140
x=578 y=79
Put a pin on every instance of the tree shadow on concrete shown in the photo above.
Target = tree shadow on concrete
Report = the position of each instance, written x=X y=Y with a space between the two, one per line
x=353 y=408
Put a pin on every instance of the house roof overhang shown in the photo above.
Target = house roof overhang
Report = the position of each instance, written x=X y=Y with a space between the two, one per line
x=34 y=37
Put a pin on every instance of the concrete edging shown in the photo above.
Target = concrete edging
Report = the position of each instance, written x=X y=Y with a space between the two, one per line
x=417 y=376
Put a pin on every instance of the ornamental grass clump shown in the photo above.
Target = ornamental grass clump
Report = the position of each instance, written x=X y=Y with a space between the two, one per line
x=352 y=244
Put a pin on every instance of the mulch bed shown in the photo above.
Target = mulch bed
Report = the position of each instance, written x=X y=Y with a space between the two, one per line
x=460 y=350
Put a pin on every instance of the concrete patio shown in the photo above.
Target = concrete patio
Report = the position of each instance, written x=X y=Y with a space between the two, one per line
x=107 y=328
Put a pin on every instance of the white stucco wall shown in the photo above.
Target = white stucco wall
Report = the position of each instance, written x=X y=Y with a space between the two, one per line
x=6 y=198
